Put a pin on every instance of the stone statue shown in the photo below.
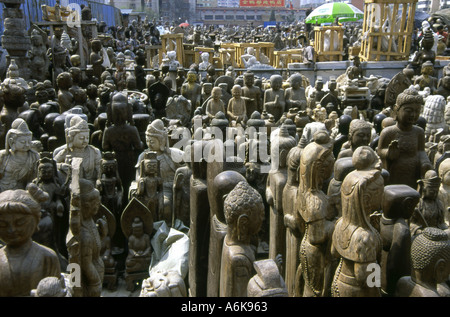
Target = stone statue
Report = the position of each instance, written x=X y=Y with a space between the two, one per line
x=192 y=90
x=355 y=240
x=77 y=145
x=253 y=93
x=276 y=181
x=295 y=95
x=47 y=180
x=249 y=59
x=24 y=263
x=237 y=109
x=294 y=224
x=38 y=56
x=315 y=94
x=341 y=136
x=444 y=88
x=429 y=212
x=204 y=64
x=268 y=281
x=244 y=210
x=274 y=102
x=164 y=284
x=401 y=147
x=398 y=83
x=215 y=104
x=398 y=204
x=106 y=230
x=426 y=52
x=51 y=286
x=316 y=166
x=149 y=189
x=65 y=97
x=124 y=140
x=430 y=254
x=433 y=112
x=194 y=174
x=426 y=79
x=169 y=159
x=13 y=99
x=342 y=167
x=360 y=134
x=120 y=73
x=137 y=226
x=181 y=77
x=17 y=161
x=444 y=189
x=179 y=108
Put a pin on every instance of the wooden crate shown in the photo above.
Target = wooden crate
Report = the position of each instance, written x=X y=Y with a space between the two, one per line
x=393 y=41
x=321 y=33
x=289 y=56
x=168 y=43
x=199 y=50
x=228 y=56
x=189 y=55
x=151 y=51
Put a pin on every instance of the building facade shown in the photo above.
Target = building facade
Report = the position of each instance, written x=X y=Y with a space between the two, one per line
x=244 y=16
x=206 y=3
x=228 y=3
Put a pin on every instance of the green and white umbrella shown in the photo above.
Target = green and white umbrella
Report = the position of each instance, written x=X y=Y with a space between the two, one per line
x=328 y=12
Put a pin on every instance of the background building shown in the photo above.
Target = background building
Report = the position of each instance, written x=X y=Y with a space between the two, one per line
x=228 y=3
x=206 y=3
x=244 y=16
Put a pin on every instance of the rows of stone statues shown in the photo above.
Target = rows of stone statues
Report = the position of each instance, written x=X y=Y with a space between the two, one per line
x=227 y=185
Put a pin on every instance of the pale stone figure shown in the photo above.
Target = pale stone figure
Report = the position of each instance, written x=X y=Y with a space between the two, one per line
x=77 y=145
x=17 y=161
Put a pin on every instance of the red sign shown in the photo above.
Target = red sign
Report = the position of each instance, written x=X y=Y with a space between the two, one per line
x=262 y=3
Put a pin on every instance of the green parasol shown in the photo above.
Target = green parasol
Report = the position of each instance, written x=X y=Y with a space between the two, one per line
x=328 y=12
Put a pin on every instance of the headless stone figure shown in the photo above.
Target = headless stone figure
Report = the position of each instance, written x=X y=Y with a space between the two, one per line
x=276 y=182
x=316 y=165
x=398 y=205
